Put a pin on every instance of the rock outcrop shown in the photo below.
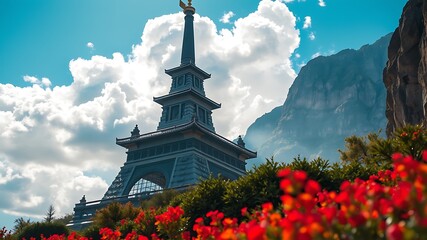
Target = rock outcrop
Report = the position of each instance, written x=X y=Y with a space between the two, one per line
x=405 y=75
x=332 y=98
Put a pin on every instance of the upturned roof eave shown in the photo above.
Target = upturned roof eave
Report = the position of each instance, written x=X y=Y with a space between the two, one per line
x=162 y=99
x=198 y=70
x=125 y=142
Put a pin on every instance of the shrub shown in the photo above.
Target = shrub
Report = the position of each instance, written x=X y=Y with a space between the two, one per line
x=162 y=199
x=204 y=197
x=46 y=229
x=317 y=169
x=111 y=215
x=92 y=232
x=260 y=185
x=374 y=152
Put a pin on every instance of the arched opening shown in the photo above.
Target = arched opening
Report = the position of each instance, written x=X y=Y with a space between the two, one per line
x=149 y=184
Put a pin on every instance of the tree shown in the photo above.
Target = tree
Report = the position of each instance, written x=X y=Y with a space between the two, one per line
x=20 y=223
x=64 y=219
x=50 y=214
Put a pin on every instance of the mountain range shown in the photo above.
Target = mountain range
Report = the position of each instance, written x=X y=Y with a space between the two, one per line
x=332 y=98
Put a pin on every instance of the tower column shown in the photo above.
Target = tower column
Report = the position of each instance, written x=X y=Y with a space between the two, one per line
x=188 y=52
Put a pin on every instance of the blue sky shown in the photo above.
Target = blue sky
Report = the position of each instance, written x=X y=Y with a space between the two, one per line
x=76 y=74
x=39 y=38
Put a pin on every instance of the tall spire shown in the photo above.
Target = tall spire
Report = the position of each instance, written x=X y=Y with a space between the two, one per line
x=188 y=52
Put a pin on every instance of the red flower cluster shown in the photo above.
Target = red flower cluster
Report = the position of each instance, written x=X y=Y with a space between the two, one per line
x=173 y=214
x=5 y=234
x=389 y=205
x=171 y=223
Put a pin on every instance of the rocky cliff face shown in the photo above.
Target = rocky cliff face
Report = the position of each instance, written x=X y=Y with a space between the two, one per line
x=332 y=98
x=405 y=75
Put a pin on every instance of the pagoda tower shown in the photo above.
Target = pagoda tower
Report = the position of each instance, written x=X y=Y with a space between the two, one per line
x=185 y=147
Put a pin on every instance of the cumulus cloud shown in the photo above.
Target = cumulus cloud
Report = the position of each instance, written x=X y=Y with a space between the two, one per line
x=60 y=137
x=44 y=82
x=322 y=3
x=61 y=187
x=90 y=45
x=226 y=17
x=307 y=22
x=311 y=36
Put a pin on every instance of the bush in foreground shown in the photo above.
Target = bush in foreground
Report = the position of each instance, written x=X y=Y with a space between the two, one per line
x=389 y=205
x=46 y=229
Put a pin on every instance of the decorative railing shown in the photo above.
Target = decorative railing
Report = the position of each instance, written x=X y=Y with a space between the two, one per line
x=85 y=211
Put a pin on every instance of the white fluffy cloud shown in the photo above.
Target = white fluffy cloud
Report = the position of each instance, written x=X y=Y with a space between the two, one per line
x=32 y=188
x=307 y=22
x=60 y=137
x=44 y=82
x=322 y=3
x=311 y=36
x=226 y=17
x=90 y=45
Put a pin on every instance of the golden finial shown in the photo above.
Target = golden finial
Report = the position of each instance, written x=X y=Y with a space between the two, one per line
x=182 y=5
x=187 y=7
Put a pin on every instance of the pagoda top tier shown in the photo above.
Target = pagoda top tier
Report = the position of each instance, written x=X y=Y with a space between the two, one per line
x=188 y=52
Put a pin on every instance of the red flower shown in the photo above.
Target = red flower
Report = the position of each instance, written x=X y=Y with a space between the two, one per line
x=256 y=233
x=394 y=232
x=300 y=176
x=284 y=173
x=244 y=211
x=425 y=155
x=312 y=187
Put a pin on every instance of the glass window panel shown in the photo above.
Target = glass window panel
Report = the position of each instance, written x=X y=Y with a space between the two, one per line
x=202 y=115
x=174 y=112
x=180 y=80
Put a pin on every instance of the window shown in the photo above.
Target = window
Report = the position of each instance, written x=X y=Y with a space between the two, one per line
x=180 y=80
x=202 y=114
x=196 y=82
x=148 y=184
x=182 y=109
x=174 y=112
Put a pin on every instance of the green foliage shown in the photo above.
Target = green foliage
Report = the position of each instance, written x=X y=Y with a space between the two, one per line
x=146 y=221
x=410 y=140
x=50 y=214
x=373 y=153
x=20 y=224
x=204 y=197
x=260 y=185
x=64 y=219
x=92 y=232
x=111 y=215
x=46 y=229
x=162 y=199
x=317 y=169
